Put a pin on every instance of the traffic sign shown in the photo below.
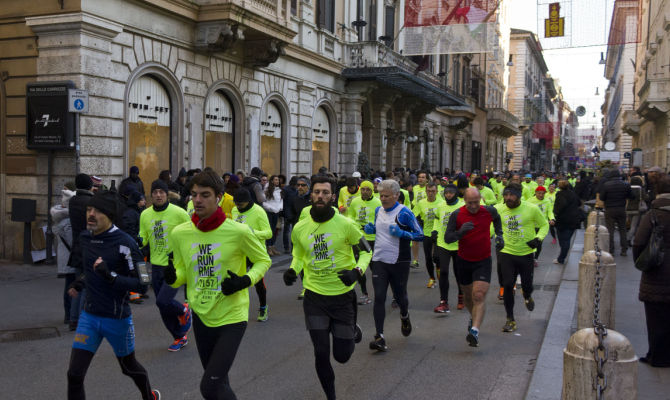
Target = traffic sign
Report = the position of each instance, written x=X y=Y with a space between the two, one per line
x=626 y=155
x=77 y=100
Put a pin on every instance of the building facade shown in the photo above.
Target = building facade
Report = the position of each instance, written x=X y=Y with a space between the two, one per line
x=286 y=85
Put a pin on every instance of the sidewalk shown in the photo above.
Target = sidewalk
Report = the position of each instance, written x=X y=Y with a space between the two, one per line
x=547 y=380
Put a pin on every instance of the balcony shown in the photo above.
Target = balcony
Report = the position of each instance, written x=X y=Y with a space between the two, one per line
x=631 y=123
x=502 y=122
x=375 y=62
x=263 y=28
x=654 y=100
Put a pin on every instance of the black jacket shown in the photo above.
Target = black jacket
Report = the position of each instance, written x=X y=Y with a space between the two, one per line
x=655 y=284
x=77 y=212
x=299 y=203
x=288 y=196
x=129 y=185
x=583 y=189
x=121 y=254
x=131 y=219
x=567 y=210
x=615 y=192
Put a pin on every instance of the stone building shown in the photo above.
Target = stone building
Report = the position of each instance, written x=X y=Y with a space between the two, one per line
x=619 y=96
x=648 y=125
x=287 y=85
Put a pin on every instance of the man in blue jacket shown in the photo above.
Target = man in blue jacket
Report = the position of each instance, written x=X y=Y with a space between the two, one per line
x=110 y=260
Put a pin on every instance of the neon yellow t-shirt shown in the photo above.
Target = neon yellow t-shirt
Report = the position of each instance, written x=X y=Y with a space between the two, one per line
x=323 y=249
x=519 y=226
x=442 y=219
x=257 y=219
x=488 y=196
x=345 y=198
x=362 y=212
x=545 y=205
x=427 y=211
x=155 y=229
x=202 y=260
x=419 y=194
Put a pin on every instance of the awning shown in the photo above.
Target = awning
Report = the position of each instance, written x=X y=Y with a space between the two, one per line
x=405 y=82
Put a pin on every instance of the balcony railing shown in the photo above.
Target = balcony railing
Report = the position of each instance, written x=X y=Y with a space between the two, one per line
x=373 y=54
x=275 y=10
x=500 y=114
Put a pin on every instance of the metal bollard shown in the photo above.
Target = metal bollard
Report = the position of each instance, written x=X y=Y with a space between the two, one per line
x=596 y=215
x=586 y=288
x=603 y=238
x=580 y=368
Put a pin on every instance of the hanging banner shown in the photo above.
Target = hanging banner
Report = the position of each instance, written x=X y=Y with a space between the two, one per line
x=449 y=27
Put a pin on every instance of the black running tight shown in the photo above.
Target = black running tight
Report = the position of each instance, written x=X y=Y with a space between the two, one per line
x=383 y=276
x=81 y=359
x=262 y=292
x=342 y=351
x=217 y=347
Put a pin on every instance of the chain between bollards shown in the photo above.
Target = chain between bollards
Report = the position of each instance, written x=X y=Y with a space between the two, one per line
x=600 y=353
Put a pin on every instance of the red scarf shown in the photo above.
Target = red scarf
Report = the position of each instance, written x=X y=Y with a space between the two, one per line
x=210 y=223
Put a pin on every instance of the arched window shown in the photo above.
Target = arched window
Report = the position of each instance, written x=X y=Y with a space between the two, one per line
x=149 y=127
x=320 y=140
x=219 y=137
x=271 y=139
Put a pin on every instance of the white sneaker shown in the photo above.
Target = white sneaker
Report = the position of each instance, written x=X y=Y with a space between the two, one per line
x=556 y=261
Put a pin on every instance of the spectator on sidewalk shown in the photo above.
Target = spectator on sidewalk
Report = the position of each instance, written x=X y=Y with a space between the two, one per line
x=655 y=284
x=132 y=183
x=614 y=194
x=63 y=231
x=636 y=208
x=273 y=205
x=568 y=217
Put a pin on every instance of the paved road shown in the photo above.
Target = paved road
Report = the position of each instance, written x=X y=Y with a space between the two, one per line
x=275 y=360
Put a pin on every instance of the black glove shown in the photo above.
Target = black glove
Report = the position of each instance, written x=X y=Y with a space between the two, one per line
x=466 y=227
x=290 y=277
x=500 y=243
x=234 y=283
x=433 y=237
x=348 y=276
x=102 y=270
x=534 y=244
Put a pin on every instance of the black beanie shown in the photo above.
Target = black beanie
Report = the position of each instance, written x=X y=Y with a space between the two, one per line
x=242 y=195
x=159 y=184
x=136 y=196
x=105 y=202
x=83 y=181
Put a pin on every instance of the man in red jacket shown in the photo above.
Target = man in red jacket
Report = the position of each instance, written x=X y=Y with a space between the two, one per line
x=470 y=225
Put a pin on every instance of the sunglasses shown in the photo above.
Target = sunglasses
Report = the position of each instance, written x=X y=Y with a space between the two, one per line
x=302 y=184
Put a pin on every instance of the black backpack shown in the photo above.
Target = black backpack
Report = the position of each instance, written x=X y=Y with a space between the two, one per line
x=653 y=255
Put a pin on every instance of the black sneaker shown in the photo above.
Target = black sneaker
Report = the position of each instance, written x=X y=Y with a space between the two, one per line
x=378 y=344
x=405 y=326
x=358 y=334
x=473 y=338
x=530 y=303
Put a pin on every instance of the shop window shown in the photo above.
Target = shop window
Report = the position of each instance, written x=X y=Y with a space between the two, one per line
x=271 y=137
x=320 y=140
x=219 y=137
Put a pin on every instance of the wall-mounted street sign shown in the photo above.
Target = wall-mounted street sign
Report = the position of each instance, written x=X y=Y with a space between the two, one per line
x=49 y=125
x=627 y=155
x=77 y=100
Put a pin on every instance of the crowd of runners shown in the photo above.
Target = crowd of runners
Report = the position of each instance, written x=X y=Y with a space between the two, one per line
x=212 y=237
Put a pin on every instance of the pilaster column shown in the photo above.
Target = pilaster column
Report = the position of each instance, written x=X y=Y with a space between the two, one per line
x=350 y=141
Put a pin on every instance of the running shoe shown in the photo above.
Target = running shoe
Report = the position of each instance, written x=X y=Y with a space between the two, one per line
x=431 y=283
x=178 y=343
x=394 y=304
x=263 y=314
x=553 y=241
x=135 y=298
x=364 y=299
x=510 y=325
x=358 y=334
x=301 y=295
x=414 y=264
x=501 y=293
x=473 y=338
x=557 y=262
x=156 y=395
x=405 y=326
x=185 y=319
x=460 y=304
x=442 y=308
x=378 y=344
x=530 y=303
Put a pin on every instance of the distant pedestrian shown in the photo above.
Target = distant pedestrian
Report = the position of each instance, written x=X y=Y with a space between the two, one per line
x=567 y=216
x=132 y=183
x=655 y=283
x=614 y=194
x=62 y=229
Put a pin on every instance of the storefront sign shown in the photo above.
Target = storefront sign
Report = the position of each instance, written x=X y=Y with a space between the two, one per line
x=49 y=125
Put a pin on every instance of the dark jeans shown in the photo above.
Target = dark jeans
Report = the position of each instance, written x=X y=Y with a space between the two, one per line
x=273 y=218
x=658 y=333
x=564 y=239
x=169 y=308
x=396 y=276
x=217 y=348
x=616 y=216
